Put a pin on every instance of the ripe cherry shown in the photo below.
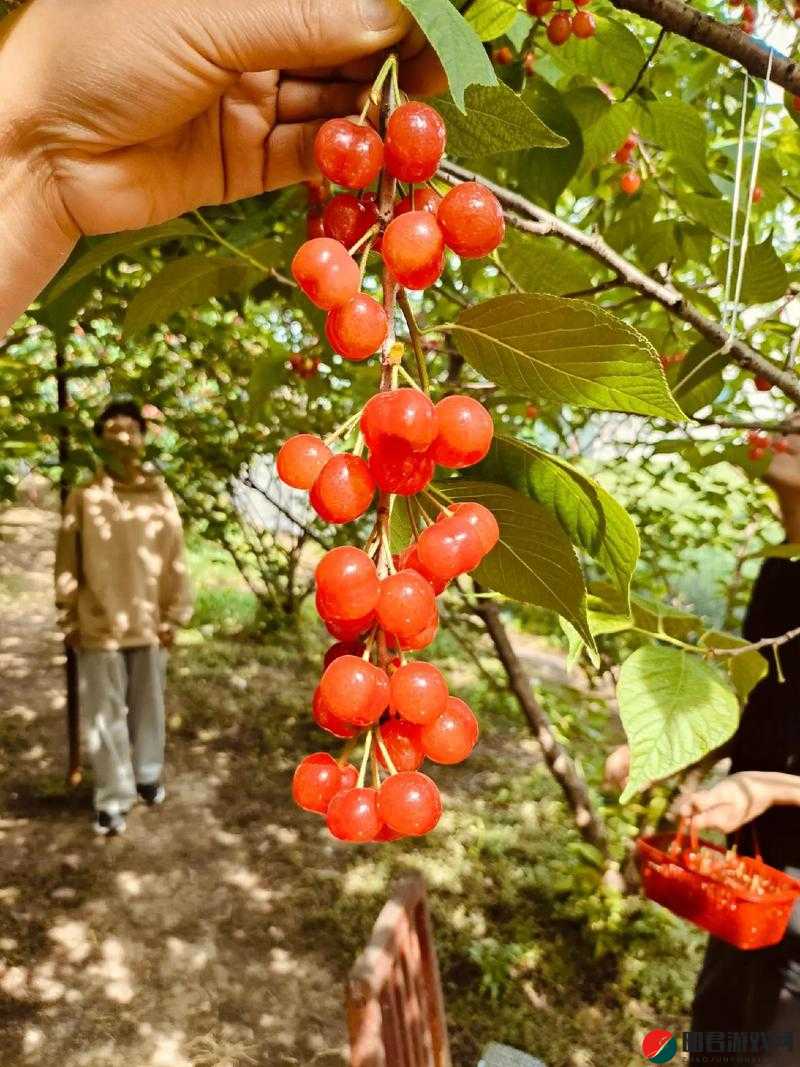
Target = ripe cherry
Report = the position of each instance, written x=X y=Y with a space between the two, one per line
x=471 y=220
x=342 y=648
x=314 y=225
x=349 y=777
x=409 y=557
x=780 y=444
x=583 y=25
x=481 y=520
x=343 y=490
x=402 y=742
x=326 y=273
x=748 y=13
x=449 y=548
x=423 y=199
x=559 y=28
x=539 y=8
x=452 y=736
x=357 y=328
x=629 y=182
x=529 y=64
x=316 y=781
x=353 y=815
x=346 y=629
x=346 y=218
x=416 y=642
x=348 y=153
x=465 y=432
x=414 y=142
x=348 y=583
x=762 y=384
x=406 y=604
x=396 y=468
x=409 y=803
x=413 y=249
x=796 y=103
x=406 y=414
x=350 y=689
x=326 y=720
x=758 y=194
x=300 y=460
x=418 y=692
x=503 y=56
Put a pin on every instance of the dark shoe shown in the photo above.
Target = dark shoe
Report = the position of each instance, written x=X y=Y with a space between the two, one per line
x=109 y=825
x=152 y=794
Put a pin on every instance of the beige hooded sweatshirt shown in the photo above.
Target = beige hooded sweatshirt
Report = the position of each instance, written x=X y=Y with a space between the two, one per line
x=120 y=566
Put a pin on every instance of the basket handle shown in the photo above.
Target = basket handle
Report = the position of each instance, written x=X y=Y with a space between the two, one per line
x=756 y=846
x=678 y=843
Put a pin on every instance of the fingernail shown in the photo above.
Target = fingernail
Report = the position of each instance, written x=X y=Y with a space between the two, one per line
x=381 y=14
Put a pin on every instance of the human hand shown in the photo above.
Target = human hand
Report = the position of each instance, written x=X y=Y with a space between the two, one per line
x=736 y=800
x=783 y=473
x=166 y=635
x=617 y=768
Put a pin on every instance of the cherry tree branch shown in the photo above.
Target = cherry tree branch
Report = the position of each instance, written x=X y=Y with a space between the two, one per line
x=724 y=38
x=643 y=69
x=524 y=215
x=765 y=642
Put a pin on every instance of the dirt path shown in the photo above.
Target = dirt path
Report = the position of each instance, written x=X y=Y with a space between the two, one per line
x=165 y=948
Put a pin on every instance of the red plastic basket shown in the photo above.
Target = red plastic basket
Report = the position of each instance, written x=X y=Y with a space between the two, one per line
x=748 y=916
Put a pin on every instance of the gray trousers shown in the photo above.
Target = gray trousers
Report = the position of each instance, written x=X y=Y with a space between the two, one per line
x=122 y=706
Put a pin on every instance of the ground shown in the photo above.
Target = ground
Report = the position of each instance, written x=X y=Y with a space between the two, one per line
x=219 y=930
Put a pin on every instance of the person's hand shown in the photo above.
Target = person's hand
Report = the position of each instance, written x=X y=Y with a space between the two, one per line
x=617 y=768
x=735 y=800
x=783 y=473
x=166 y=635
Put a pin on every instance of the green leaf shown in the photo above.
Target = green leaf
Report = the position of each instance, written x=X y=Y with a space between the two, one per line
x=456 y=44
x=589 y=516
x=540 y=173
x=564 y=351
x=495 y=120
x=533 y=562
x=713 y=213
x=778 y=552
x=765 y=277
x=107 y=248
x=544 y=265
x=519 y=29
x=675 y=709
x=646 y=612
x=659 y=246
x=491 y=18
x=604 y=126
x=613 y=55
x=699 y=380
x=745 y=670
x=679 y=128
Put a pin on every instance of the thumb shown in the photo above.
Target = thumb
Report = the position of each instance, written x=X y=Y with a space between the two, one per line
x=254 y=35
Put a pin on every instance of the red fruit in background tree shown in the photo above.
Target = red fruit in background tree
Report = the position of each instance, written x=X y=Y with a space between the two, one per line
x=539 y=8
x=346 y=218
x=529 y=63
x=583 y=24
x=780 y=444
x=449 y=548
x=342 y=648
x=348 y=153
x=796 y=103
x=413 y=249
x=424 y=199
x=406 y=604
x=409 y=803
x=346 y=629
x=629 y=182
x=418 y=693
x=343 y=490
x=452 y=736
x=481 y=520
x=762 y=384
x=316 y=781
x=559 y=28
x=314 y=225
x=406 y=414
x=465 y=432
x=471 y=220
x=402 y=741
x=581 y=3
x=349 y=690
x=503 y=56
x=409 y=557
x=347 y=582
x=358 y=328
x=748 y=13
x=353 y=815
x=756 y=454
x=758 y=194
x=326 y=273
x=326 y=720
x=300 y=460
x=414 y=142
x=398 y=469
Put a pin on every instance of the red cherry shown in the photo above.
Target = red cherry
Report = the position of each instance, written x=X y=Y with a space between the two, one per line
x=406 y=604
x=421 y=640
x=465 y=432
x=503 y=56
x=300 y=460
x=623 y=154
x=796 y=103
x=756 y=454
x=350 y=689
x=353 y=815
x=348 y=582
x=314 y=225
x=449 y=548
x=406 y=414
x=758 y=194
x=342 y=648
x=780 y=444
x=409 y=803
x=347 y=629
x=748 y=13
x=402 y=741
x=316 y=191
x=346 y=218
x=539 y=8
x=529 y=63
x=326 y=720
x=583 y=24
x=347 y=153
x=418 y=693
x=358 y=328
x=380 y=698
x=316 y=781
x=409 y=557
x=349 y=777
x=452 y=736
x=326 y=273
x=398 y=469
x=423 y=199
x=630 y=182
x=471 y=220
x=581 y=3
x=559 y=28
x=388 y=834
x=762 y=384
x=413 y=249
x=414 y=142
x=481 y=520
x=343 y=490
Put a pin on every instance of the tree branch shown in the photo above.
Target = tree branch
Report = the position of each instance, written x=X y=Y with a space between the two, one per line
x=643 y=70
x=530 y=218
x=720 y=37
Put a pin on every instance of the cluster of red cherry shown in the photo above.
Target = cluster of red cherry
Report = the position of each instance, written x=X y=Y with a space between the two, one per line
x=631 y=179
x=564 y=25
x=379 y=606
x=759 y=443
x=748 y=23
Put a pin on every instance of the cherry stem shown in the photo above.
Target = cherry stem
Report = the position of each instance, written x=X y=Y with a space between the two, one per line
x=345 y=428
x=416 y=344
x=385 y=753
x=376 y=776
x=412 y=519
x=364 y=238
x=362 y=774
